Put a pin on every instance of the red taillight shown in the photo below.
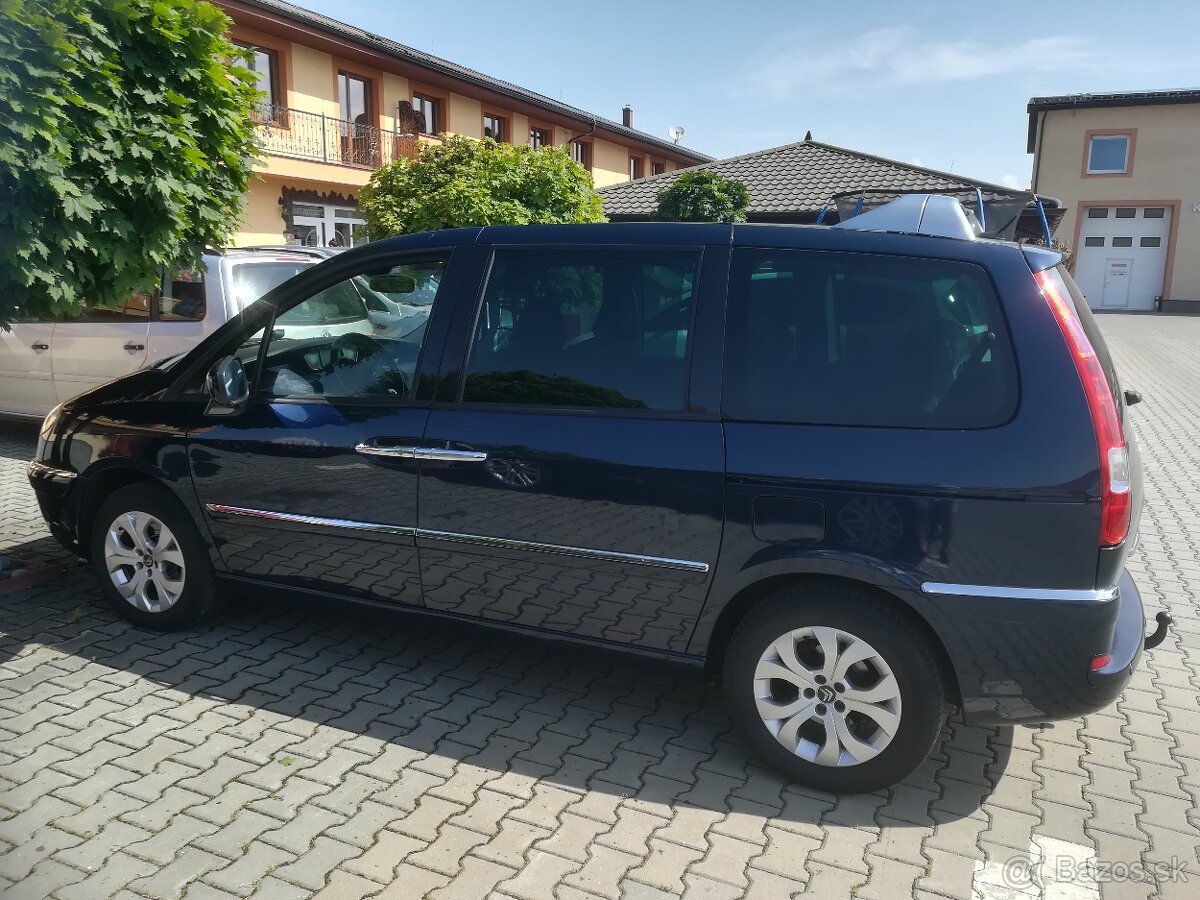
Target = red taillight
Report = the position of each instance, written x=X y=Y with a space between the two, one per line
x=1110 y=439
x=1099 y=662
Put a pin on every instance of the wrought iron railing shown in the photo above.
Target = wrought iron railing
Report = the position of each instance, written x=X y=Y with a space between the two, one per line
x=284 y=131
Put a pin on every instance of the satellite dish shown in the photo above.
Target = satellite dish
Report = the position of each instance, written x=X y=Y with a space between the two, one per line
x=675 y=132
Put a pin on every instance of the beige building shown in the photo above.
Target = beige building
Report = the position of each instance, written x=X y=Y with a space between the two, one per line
x=341 y=102
x=1127 y=169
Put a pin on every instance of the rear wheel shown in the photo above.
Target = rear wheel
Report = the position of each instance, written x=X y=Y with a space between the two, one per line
x=836 y=688
x=151 y=560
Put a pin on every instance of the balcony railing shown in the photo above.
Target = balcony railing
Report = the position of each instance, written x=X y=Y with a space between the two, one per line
x=283 y=131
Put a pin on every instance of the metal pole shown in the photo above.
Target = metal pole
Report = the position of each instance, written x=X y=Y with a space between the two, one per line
x=979 y=206
x=858 y=206
x=821 y=214
x=324 y=140
x=1045 y=223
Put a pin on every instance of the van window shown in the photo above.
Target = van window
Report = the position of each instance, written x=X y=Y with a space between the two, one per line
x=250 y=280
x=182 y=298
x=856 y=339
x=593 y=327
x=135 y=308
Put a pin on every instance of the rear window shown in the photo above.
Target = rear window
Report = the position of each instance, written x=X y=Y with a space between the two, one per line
x=855 y=339
x=1092 y=330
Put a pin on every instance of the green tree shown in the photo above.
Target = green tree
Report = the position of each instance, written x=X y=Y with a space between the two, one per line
x=463 y=182
x=126 y=145
x=703 y=197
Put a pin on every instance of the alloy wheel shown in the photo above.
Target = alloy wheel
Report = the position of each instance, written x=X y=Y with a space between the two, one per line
x=827 y=696
x=144 y=561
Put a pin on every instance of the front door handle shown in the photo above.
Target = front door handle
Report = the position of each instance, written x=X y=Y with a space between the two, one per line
x=435 y=454
x=38 y=347
x=135 y=348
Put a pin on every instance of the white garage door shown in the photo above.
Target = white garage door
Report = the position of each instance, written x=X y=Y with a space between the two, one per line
x=1122 y=255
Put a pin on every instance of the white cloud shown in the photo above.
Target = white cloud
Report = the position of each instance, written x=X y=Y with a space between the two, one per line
x=899 y=56
x=1014 y=182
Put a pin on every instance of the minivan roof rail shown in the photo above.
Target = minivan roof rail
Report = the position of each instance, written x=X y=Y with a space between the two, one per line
x=270 y=248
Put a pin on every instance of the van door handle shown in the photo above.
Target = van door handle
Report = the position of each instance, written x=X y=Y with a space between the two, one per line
x=435 y=454
x=134 y=348
x=38 y=346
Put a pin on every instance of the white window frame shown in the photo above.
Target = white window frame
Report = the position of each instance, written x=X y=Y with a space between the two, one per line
x=1124 y=170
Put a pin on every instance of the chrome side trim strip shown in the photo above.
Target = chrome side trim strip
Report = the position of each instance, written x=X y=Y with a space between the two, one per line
x=1016 y=593
x=221 y=509
x=435 y=454
x=47 y=471
x=661 y=562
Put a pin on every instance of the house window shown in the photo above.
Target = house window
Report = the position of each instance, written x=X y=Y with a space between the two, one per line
x=1108 y=154
x=1150 y=242
x=1126 y=212
x=1153 y=212
x=1098 y=212
x=430 y=109
x=540 y=137
x=635 y=168
x=264 y=64
x=657 y=168
x=581 y=153
x=1122 y=242
x=1093 y=242
x=493 y=127
x=354 y=97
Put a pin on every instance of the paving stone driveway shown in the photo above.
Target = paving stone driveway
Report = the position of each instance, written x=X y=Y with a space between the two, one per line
x=294 y=750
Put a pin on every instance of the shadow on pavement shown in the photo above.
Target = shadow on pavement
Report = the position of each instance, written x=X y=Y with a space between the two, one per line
x=579 y=717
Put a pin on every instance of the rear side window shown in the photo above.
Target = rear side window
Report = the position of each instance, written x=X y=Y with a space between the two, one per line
x=856 y=339
x=585 y=327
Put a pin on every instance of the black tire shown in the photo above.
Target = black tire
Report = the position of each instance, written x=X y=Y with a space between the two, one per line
x=897 y=640
x=198 y=597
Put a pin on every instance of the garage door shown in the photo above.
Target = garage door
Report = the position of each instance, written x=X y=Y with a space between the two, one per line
x=1122 y=255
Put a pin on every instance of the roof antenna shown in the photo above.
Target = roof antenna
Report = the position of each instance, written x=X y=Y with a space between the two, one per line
x=808 y=135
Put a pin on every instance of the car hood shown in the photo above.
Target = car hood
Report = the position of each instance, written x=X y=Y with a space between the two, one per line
x=135 y=386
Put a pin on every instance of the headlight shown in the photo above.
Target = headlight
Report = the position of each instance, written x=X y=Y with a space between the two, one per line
x=49 y=425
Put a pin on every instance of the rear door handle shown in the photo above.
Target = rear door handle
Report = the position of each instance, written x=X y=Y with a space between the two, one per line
x=38 y=347
x=436 y=454
x=134 y=348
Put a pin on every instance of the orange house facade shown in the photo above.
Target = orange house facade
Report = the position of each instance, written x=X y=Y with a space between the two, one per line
x=1126 y=167
x=341 y=102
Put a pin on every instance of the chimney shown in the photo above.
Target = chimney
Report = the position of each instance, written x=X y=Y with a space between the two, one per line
x=627 y=116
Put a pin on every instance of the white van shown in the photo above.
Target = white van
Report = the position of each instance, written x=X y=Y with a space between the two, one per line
x=43 y=363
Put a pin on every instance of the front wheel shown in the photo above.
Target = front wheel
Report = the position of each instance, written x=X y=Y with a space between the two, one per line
x=151 y=560
x=836 y=688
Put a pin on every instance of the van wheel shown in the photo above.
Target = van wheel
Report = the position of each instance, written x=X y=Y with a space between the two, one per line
x=835 y=688
x=152 y=563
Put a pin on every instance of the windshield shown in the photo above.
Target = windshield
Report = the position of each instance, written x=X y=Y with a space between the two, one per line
x=253 y=279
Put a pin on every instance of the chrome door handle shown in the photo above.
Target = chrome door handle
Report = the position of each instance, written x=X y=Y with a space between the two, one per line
x=38 y=347
x=134 y=348
x=435 y=454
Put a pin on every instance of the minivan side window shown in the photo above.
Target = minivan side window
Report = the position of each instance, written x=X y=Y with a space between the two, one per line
x=857 y=339
x=593 y=327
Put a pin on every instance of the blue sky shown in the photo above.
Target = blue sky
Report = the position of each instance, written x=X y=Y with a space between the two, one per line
x=939 y=84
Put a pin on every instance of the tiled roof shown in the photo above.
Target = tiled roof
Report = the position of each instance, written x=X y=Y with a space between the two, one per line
x=798 y=178
x=1117 y=98
x=411 y=55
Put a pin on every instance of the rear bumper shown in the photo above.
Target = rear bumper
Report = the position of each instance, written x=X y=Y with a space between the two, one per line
x=1027 y=659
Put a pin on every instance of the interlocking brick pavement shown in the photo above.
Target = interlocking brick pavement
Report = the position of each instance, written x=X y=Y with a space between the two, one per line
x=293 y=749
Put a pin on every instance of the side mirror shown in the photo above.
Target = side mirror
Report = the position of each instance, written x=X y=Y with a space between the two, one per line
x=227 y=387
x=393 y=284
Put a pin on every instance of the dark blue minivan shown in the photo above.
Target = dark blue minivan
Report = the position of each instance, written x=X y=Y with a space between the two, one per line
x=860 y=474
